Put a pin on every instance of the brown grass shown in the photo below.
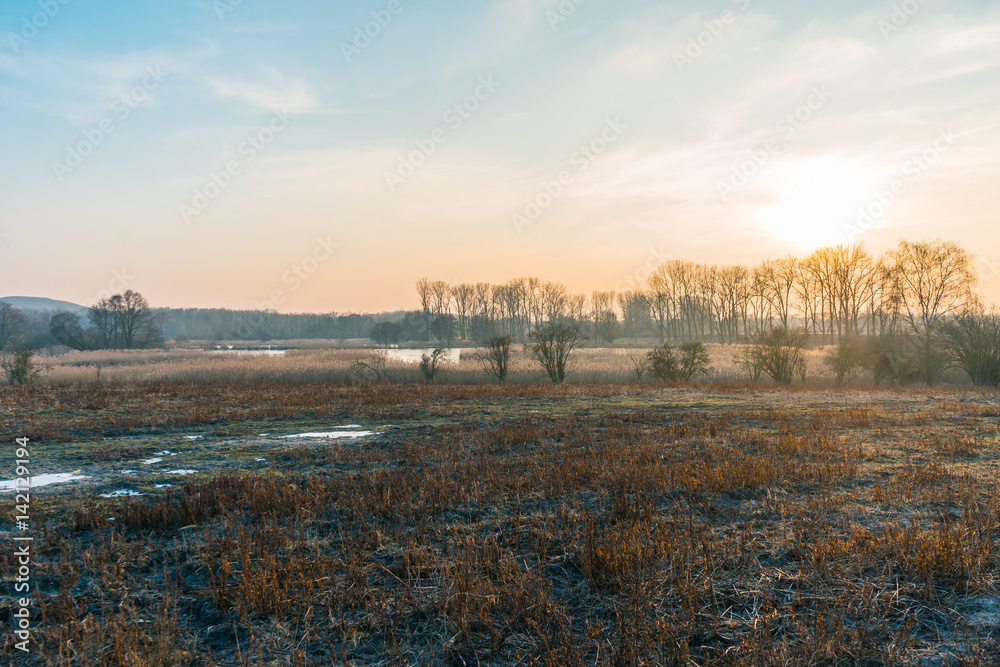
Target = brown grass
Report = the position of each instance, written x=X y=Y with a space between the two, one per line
x=611 y=527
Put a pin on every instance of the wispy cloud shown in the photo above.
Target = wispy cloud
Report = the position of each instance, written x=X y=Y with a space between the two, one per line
x=292 y=95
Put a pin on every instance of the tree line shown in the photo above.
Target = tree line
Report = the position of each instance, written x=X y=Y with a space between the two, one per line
x=834 y=292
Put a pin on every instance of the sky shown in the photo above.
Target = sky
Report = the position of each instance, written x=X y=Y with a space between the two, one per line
x=322 y=156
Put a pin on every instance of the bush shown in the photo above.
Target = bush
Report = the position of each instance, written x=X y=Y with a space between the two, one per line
x=552 y=345
x=679 y=364
x=972 y=342
x=19 y=366
x=849 y=359
x=430 y=365
x=776 y=352
x=900 y=360
x=496 y=358
x=374 y=367
x=639 y=365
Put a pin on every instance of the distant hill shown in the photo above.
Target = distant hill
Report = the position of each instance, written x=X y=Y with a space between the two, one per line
x=40 y=303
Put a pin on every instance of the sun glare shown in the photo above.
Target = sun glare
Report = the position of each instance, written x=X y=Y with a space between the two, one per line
x=817 y=201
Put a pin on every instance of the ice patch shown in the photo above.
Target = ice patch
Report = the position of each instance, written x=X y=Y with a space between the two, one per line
x=163 y=486
x=120 y=493
x=149 y=462
x=194 y=437
x=42 y=480
x=181 y=472
x=332 y=434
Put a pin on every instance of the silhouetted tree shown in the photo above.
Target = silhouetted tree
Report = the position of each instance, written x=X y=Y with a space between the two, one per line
x=552 y=345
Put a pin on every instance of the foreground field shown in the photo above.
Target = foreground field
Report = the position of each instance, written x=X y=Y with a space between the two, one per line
x=582 y=524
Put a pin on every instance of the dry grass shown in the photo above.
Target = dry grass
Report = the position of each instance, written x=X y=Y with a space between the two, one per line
x=311 y=364
x=781 y=527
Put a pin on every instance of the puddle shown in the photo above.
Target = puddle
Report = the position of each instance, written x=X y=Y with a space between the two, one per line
x=166 y=452
x=414 y=356
x=149 y=462
x=260 y=459
x=43 y=480
x=181 y=472
x=193 y=437
x=128 y=472
x=249 y=353
x=163 y=486
x=120 y=493
x=332 y=434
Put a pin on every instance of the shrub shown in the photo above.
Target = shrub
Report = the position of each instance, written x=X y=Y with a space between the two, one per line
x=552 y=345
x=900 y=360
x=664 y=363
x=496 y=358
x=639 y=366
x=849 y=359
x=19 y=366
x=972 y=342
x=430 y=365
x=373 y=367
x=676 y=364
x=778 y=353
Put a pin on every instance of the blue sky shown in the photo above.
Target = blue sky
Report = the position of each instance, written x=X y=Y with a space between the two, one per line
x=240 y=154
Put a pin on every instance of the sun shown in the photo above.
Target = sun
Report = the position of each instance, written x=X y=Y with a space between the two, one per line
x=817 y=201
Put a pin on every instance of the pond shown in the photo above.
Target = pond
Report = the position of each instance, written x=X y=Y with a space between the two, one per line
x=413 y=356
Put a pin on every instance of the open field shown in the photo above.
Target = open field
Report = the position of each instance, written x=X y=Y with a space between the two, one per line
x=590 y=524
x=306 y=362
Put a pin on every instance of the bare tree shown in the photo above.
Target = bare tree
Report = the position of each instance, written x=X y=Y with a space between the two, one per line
x=552 y=345
x=576 y=307
x=605 y=320
x=424 y=292
x=554 y=301
x=125 y=321
x=496 y=358
x=136 y=321
x=935 y=278
x=463 y=296
x=659 y=297
x=13 y=324
x=65 y=330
